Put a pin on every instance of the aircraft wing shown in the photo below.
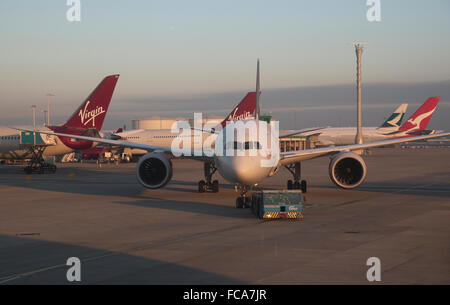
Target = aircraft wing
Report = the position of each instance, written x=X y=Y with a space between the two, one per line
x=191 y=153
x=212 y=130
x=297 y=156
x=288 y=133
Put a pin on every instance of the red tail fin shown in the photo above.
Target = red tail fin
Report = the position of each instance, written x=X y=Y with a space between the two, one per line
x=92 y=112
x=420 y=119
x=243 y=110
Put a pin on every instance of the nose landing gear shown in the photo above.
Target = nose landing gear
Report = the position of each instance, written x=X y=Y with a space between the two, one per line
x=243 y=201
x=297 y=184
x=203 y=186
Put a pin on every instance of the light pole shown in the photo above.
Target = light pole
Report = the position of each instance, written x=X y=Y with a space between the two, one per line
x=359 y=51
x=48 y=107
x=45 y=115
x=33 y=107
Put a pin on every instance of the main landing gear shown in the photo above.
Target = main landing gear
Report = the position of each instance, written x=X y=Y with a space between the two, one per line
x=297 y=183
x=243 y=201
x=37 y=163
x=203 y=186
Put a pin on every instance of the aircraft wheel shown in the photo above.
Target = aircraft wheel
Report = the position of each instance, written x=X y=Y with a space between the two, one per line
x=303 y=186
x=289 y=185
x=296 y=185
x=247 y=202
x=41 y=169
x=258 y=208
x=239 y=203
x=215 y=186
x=201 y=186
x=52 y=168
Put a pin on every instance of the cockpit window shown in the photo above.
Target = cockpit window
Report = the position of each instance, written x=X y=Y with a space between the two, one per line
x=245 y=146
x=252 y=145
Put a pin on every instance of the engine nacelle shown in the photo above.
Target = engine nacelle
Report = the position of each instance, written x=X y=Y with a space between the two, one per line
x=347 y=170
x=154 y=170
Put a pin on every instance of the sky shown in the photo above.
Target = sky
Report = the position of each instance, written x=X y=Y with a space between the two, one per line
x=175 y=57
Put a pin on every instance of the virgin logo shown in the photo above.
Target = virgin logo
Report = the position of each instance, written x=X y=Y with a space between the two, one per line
x=87 y=116
x=234 y=117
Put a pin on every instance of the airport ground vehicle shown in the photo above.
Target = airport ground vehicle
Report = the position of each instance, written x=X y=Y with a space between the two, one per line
x=105 y=155
x=273 y=204
x=92 y=153
x=35 y=142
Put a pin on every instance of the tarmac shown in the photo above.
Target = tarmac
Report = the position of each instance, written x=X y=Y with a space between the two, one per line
x=126 y=234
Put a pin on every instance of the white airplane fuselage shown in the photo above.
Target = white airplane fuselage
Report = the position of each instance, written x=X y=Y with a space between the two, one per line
x=165 y=137
x=335 y=136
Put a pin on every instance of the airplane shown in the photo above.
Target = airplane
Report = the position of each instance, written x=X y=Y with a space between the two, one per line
x=392 y=124
x=86 y=120
x=415 y=125
x=247 y=160
x=164 y=137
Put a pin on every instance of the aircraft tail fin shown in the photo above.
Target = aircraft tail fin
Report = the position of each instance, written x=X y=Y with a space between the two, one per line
x=243 y=110
x=92 y=111
x=420 y=119
x=258 y=93
x=395 y=120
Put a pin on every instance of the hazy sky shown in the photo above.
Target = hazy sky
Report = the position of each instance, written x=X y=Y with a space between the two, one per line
x=178 y=50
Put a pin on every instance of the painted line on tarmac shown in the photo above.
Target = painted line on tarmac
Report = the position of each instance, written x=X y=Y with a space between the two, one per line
x=10 y=278
x=25 y=274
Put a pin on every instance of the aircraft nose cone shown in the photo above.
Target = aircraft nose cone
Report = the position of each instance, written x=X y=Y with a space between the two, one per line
x=243 y=169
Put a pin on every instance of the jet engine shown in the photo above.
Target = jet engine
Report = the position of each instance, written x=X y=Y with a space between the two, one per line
x=154 y=170
x=347 y=170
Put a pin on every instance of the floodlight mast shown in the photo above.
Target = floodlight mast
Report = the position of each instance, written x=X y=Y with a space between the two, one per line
x=48 y=95
x=358 y=51
x=33 y=108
